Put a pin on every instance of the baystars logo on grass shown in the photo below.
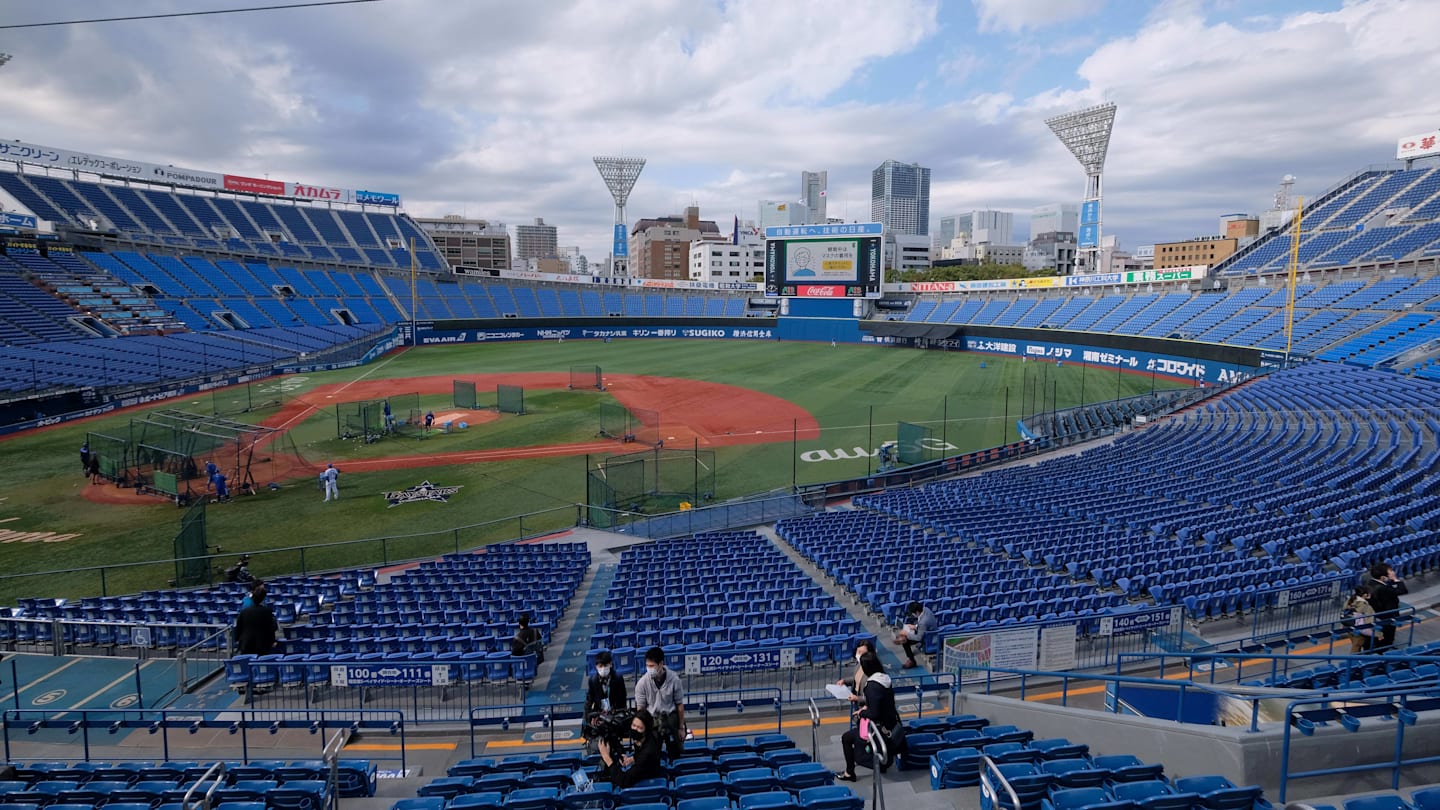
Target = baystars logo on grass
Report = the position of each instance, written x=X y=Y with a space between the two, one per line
x=423 y=491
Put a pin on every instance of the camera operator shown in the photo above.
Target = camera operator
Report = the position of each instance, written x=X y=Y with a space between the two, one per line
x=604 y=692
x=659 y=692
x=641 y=763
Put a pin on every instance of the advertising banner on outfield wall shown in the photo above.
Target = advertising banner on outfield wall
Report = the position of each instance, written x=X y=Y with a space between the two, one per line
x=139 y=170
x=430 y=336
x=626 y=281
x=1173 y=275
x=1418 y=146
x=1181 y=368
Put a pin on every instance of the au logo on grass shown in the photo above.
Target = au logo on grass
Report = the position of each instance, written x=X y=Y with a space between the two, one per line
x=423 y=491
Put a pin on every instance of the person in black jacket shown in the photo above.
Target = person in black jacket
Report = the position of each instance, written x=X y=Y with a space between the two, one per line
x=604 y=691
x=1385 y=592
x=255 y=627
x=527 y=640
x=642 y=763
x=879 y=715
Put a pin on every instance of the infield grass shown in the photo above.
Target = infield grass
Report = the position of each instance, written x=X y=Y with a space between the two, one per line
x=857 y=393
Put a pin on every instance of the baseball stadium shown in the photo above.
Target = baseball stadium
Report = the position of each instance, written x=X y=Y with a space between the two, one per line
x=1104 y=531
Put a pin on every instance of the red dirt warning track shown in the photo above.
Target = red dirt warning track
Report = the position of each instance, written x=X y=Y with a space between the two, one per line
x=712 y=414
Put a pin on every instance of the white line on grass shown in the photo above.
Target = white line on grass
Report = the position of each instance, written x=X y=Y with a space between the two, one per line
x=309 y=407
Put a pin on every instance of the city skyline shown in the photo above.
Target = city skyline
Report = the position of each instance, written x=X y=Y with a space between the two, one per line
x=458 y=108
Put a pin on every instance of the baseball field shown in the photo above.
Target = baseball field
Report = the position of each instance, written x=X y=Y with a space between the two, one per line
x=765 y=416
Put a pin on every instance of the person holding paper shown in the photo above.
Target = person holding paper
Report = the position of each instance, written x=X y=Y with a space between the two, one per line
x=877 y=716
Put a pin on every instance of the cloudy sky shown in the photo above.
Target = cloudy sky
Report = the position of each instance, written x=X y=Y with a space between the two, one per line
x=494 y=108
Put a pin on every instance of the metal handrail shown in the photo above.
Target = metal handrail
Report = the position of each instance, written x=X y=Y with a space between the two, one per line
x=814 y=733
x=182 y=658
x=880 y=753
x=218 y=769
x=989 y=796
x=330 y=755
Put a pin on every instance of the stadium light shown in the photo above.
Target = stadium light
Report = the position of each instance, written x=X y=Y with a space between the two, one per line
x=620 y=174
x=1086 y=133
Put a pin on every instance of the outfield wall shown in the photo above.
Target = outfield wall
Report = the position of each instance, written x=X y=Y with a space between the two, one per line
x=1177 y=360
x=439 y=333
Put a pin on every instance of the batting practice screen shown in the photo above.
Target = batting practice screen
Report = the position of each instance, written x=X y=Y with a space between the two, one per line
x=586 y=377
x=824 y=261
x=510 y=399
x=463 y=395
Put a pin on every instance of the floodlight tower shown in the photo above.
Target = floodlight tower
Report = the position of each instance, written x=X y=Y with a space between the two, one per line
x=620 y=174
x=1086 y=133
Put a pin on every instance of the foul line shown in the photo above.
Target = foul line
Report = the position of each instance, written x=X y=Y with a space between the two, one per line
x=310 y=407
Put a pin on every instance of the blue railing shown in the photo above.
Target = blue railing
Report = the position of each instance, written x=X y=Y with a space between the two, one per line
x=1325 y=632
x=240 y=724
x=1347 y=710
x=1067 y=680
x=1221 y=668
x=700 y=709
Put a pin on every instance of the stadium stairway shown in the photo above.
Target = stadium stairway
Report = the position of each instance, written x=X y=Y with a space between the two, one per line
x=561 y=679
x=891 y=655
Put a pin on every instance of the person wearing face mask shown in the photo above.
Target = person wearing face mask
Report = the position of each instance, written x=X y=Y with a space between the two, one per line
x=659 y=692
x=643 y=762
x=604 y=692
x=857 y=683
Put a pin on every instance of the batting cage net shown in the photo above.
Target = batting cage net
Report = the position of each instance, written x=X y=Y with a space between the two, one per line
x=627 y=425
x=192 y=567
x=112 y=454
x=586 y=377
x=648 y=482
x=510 y=399
x=915 y=444
x=464 y=396
x=251 y=396
x=169 y=452
x=370 y=420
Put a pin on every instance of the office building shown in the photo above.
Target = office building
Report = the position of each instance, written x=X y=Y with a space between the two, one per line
x=900 y=198
x=1055 y=218
x=536 y=241
x=812 y=198
x=470 y=245
x=778 y=213
x=660 y=246
x=741 y=259
x=1206 y=250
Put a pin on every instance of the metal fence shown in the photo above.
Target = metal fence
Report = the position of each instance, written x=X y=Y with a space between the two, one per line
x=718 y=517
x=302 y=560
x=247 y=730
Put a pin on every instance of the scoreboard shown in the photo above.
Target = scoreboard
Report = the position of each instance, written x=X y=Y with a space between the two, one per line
x=824 y=261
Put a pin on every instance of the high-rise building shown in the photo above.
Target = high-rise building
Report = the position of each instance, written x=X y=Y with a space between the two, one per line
x=812 y=197
x=775 y=213
x=538 y=241
x=900 y=197
x=975 y=227
x=660 y=247
x=470 y=245
x=951 y=227
x=1055 y=218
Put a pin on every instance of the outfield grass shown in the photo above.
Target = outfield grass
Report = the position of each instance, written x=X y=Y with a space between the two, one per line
x=857 y=393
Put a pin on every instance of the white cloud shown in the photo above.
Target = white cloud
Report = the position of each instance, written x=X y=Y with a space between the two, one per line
x=496 y=110
x=1021 y=15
